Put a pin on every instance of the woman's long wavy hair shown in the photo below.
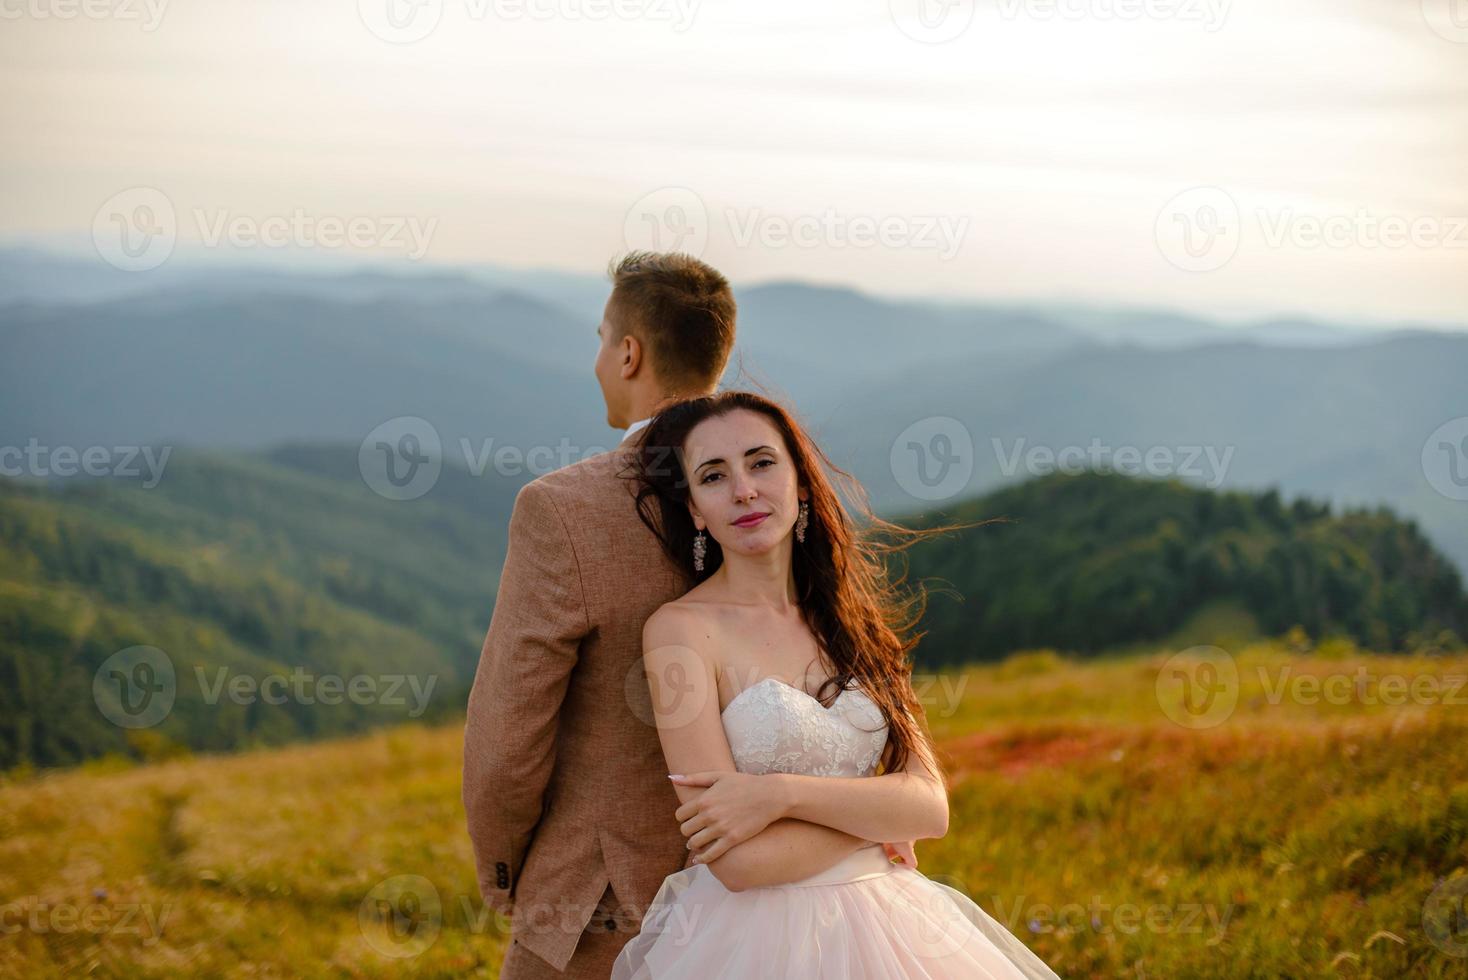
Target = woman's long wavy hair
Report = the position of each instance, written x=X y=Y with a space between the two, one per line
x=863 y=616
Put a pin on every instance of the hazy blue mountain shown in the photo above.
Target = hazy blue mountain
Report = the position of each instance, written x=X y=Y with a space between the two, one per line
x=1170 y=329
x=253 y=357
x=222 y=368
x=1344 y=423
x=31 y=275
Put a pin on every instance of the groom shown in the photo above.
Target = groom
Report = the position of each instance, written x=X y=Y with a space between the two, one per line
x=565 y=788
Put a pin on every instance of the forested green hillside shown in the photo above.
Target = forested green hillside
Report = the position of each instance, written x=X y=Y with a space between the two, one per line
x=1096 y=560
x=242 y=568
x=286 y=565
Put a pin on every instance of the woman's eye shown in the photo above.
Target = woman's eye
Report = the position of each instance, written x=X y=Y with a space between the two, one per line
x=709 y=477
x=770 y=461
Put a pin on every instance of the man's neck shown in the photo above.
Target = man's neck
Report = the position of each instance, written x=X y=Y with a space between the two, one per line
x=651 y=407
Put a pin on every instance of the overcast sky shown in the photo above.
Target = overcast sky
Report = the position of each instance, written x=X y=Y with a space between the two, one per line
x=1241 y=158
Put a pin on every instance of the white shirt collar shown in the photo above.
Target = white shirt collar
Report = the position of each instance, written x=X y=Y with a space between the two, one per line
x=635 y=426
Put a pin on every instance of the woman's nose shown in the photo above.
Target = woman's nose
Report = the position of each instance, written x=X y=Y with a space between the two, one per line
x=744 y=489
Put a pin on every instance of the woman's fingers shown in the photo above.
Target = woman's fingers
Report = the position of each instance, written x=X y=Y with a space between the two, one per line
x=693 y=824
x=712 y=853
x=702 y=839
x=686 y=810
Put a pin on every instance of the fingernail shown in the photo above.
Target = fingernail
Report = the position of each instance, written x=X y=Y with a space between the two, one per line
x=675 y=775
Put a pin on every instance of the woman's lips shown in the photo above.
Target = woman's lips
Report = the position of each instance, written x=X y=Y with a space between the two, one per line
x=750 y=520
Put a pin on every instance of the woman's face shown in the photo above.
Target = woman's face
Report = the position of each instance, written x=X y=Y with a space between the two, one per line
x=739 y=468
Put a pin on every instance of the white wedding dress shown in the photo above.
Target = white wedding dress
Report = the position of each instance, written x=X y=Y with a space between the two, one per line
x=863 y=919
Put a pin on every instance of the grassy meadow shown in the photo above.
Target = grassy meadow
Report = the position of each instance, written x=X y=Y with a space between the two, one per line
x=1141 y=815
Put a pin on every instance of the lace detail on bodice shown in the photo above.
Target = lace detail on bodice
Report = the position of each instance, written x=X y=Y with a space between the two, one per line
x=774 y=727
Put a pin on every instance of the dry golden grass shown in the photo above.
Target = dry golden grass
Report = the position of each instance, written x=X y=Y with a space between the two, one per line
x=1288 y=839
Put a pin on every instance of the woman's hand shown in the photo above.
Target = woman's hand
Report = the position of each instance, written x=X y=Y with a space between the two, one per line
x=901 y=851
x=734 y=807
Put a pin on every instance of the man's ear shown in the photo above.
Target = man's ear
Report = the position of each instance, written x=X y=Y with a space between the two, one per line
x=630 y=355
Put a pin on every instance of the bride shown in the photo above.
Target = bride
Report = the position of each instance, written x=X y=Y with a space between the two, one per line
x=780 y=683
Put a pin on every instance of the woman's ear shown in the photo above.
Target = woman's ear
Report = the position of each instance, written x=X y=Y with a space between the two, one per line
x=698 y=522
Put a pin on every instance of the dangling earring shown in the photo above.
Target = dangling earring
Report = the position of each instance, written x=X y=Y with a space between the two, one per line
x=700 y=547
x=802 y=521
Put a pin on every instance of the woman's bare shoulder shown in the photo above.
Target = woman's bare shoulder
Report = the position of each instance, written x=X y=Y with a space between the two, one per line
x=685 y=618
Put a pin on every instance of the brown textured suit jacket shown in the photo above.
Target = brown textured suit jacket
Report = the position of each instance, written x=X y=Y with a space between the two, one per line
x=565 y=785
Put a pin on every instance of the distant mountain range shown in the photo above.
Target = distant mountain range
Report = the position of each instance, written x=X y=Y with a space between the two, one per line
x=249 y=358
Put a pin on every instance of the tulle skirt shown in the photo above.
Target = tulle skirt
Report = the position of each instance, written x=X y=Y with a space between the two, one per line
x=863 y=919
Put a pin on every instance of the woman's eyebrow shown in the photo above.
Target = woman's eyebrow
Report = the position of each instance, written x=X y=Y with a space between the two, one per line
x=720 y=459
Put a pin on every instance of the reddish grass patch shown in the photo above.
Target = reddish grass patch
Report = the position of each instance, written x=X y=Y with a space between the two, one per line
x=1016 y=752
